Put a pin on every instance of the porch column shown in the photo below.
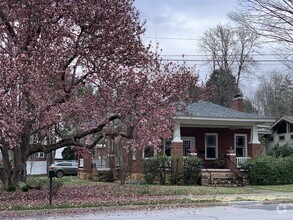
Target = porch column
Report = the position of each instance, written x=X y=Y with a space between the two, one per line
x=177 y=147
x=231 y=160
x=254 y=135
x=254 y=146
x=85 y=164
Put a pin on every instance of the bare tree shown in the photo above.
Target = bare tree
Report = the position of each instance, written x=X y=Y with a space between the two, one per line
x=230 y=49
x=272 y=19
x=274 y=96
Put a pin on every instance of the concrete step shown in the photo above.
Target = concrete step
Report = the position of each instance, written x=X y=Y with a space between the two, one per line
x=220 y=178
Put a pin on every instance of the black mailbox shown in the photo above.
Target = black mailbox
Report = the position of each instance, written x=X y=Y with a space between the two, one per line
x=51 y=174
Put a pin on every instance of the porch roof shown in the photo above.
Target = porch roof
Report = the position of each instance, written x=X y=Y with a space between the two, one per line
x=207 y=111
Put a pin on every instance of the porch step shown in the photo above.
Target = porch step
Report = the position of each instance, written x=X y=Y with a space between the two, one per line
x=220 y=177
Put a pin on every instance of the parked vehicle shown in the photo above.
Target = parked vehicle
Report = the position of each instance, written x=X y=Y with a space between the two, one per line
x=62 y=168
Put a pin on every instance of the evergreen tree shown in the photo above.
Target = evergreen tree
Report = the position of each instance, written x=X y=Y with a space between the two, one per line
x=69 y=154
x=223 y=87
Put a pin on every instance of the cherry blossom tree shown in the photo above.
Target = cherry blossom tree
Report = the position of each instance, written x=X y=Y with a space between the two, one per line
x=71 y=71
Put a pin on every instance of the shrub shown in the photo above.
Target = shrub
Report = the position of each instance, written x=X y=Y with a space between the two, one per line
x=56 y=185
x=175 y=176
x=11 y=188
x=25 y=187
x=192 y=170
x=150 y=170
x=163 y=166
x=270 y=170
x=106 y=176
x=282 y=151
x=37 y=183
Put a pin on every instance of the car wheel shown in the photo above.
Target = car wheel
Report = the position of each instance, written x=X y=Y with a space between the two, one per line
x=59 y=174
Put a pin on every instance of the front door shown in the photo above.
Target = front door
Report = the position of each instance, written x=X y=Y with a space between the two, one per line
x=188 y=145
x=240 y=144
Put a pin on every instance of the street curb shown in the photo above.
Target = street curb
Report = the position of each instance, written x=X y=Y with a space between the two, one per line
x=60 y=211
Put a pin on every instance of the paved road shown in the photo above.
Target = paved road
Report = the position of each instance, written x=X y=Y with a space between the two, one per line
x=235 y=211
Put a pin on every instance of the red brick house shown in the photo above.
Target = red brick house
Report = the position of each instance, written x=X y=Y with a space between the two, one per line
x=207 y=130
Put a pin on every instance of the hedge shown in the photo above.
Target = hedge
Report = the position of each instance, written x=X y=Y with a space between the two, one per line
x=157 y=169
x=268 y=170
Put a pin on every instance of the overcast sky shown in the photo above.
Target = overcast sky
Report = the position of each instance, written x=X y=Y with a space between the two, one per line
x=185 y=19
x=177 y=26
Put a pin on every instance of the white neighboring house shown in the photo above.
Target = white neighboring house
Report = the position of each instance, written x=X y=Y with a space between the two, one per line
x=37 y=165
x=282 y=133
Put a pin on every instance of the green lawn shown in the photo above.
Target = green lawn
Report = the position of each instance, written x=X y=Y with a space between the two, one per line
x=161 y=190
x=277 y=188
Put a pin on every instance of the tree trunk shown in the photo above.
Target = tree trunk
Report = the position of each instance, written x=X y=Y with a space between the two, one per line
x=14 y=167
x=127 y=165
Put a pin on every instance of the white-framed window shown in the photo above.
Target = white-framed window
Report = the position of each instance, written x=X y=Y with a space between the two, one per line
x=134 y=154
x=167 y=147
x=149 y=152
x=282 y=138
x=40 y=155
x=188 y=144
x=240 y=145
x=101 y=161
x=290 y=127
x=211 y=146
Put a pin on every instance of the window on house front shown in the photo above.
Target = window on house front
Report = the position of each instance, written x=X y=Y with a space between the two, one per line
x=282 y=138
x=291 y=137
x=40 y=155
x=211 y=146
x=167 y=147
x=101 y=161
x=290 y=127
x=149 y=152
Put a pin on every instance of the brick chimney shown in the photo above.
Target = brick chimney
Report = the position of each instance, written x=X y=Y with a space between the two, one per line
x=237 y=103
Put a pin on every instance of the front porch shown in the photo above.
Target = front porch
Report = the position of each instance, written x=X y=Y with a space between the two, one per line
x=212 y=144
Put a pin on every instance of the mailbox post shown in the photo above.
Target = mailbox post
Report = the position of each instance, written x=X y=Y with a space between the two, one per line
x=51 y=176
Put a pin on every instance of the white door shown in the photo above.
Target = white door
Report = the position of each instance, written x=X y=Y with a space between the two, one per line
x=188 y=144
x=240 y=145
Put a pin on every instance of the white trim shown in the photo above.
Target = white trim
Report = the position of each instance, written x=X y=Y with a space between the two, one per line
x=245 y=147
x=40 y=155
x=192 y=141
x=177 y=134
x=280 y=119
x=254 y=135
x=260 y=120
x=216 y=147
x=145 y=158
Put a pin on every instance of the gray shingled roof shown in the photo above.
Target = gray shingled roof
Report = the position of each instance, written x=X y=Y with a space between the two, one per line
x=208 y=109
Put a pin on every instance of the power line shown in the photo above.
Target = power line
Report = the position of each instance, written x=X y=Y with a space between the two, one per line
x=172 y=38
x=206 y=60
x=204 y=55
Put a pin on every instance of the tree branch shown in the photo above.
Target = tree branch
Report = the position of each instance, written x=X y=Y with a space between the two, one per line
x=7 y=24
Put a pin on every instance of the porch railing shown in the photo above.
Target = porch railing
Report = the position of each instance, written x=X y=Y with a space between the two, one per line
x=241 y=160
